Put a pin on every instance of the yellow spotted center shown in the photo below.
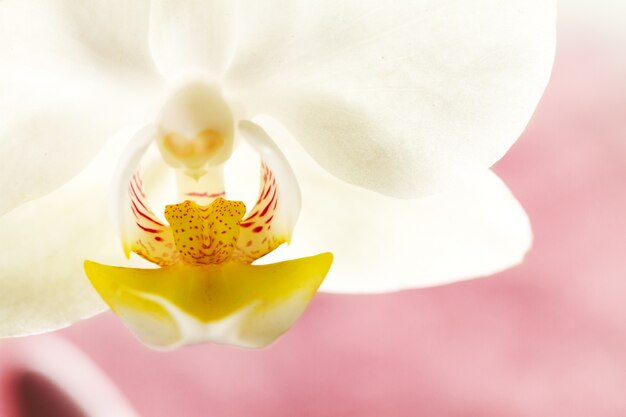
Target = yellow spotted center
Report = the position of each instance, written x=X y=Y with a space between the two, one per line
x=205 y=235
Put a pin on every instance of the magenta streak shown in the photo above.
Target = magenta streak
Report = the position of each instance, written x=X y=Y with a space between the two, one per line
x=136 y=198
x=265 y=210
x=147 y=229
x=267 y=193
x=133 y=185
x=138 y=179
x=146 y=216
x=205 y=194
x=139 y=185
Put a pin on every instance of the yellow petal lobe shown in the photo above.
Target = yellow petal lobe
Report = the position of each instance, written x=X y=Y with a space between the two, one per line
x=205 y=235
x=231 y=303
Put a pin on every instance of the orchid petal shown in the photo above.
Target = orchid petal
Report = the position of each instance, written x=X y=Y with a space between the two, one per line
x=72 y=74
x=384 y=244
x=44 y=244
x=475 y=229
x=192 y=35
x=231 y=303
x=404 y=97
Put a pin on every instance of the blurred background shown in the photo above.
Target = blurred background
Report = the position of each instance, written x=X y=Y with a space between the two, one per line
x=547 y=338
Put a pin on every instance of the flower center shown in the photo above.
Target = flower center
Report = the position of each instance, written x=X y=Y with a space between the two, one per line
x=205 y=235
x=195 y=134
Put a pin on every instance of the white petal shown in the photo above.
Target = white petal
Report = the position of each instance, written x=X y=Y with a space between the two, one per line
x=44 y=244
x=192 y=35
x=72 y=74
x=592 y=19
x=398 y=97
x=385 y=244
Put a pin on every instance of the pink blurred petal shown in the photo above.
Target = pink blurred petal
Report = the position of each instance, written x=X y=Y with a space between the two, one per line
x=45 y=376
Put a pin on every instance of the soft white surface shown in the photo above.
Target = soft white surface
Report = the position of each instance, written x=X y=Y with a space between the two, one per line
x=399 y=97
x=193 y=34
x=44 y=244
x=71 y=74
x=585 y=19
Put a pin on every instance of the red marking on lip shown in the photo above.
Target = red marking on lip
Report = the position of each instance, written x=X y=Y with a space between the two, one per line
x=158 y=239
x=206 y=195
x=138 y=184
x=132 y=208
x=257 y=229
x=253 y=215
x=267 y=193
x=135 y=213
x=136 y=197
x=246 y=224
x=269 y=220
x=266 y=209
x=146 y=216
x=147 y=229
x=138 y=179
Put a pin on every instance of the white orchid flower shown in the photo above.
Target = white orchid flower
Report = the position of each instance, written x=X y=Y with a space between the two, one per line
x=379 y=119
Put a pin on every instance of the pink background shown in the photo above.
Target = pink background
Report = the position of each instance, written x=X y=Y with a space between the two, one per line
x=545 y=339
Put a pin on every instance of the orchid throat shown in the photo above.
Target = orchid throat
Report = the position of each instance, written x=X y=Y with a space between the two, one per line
x=206 y=244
